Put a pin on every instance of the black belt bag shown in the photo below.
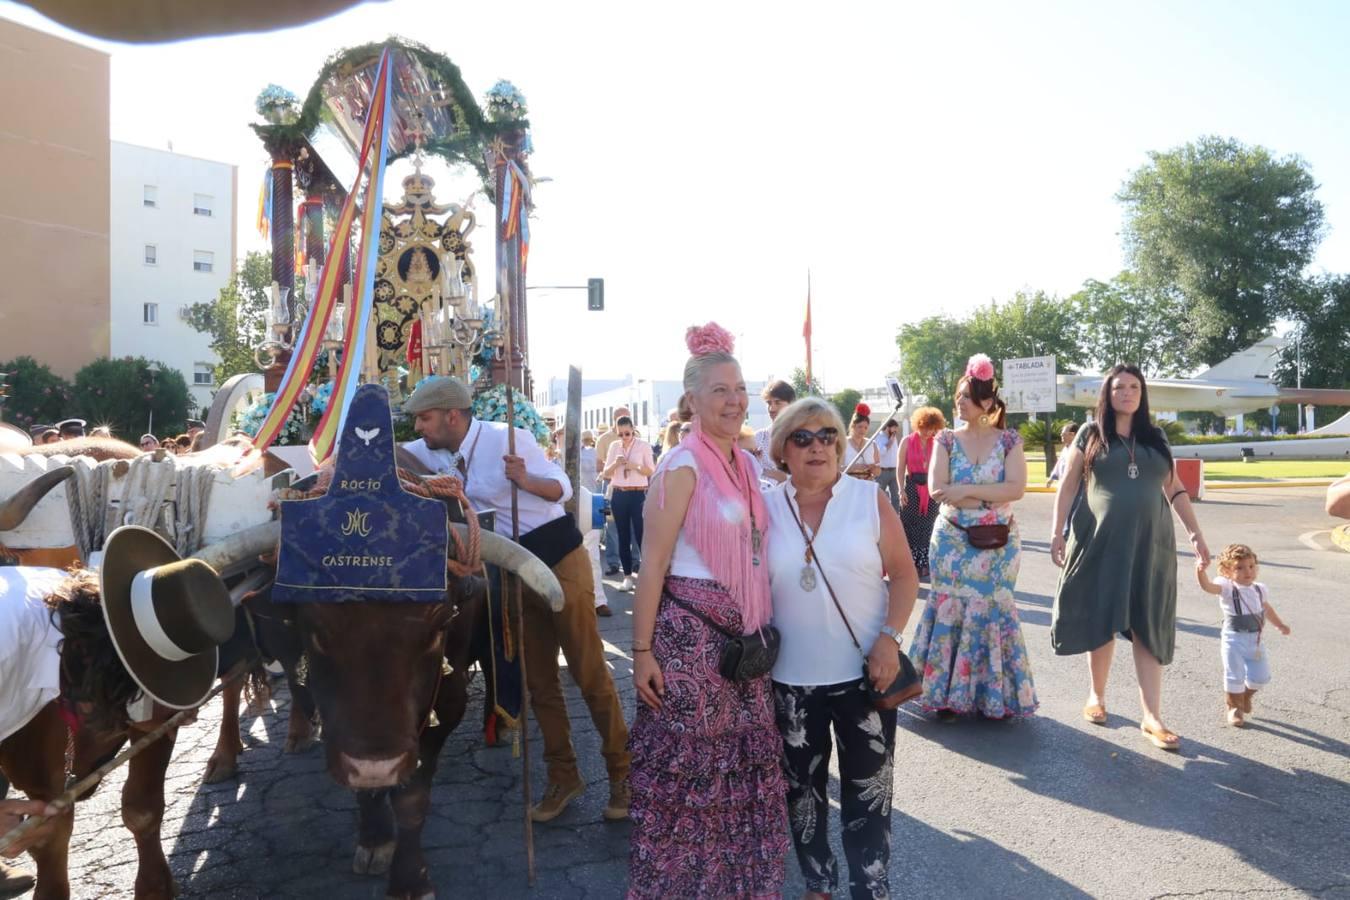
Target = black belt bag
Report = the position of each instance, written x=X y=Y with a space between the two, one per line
x=744 y=657
x=918 y=478
x=552 y=540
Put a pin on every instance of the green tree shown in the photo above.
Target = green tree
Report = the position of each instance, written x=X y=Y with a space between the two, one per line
x=1322 y=342
x=1229 y=228
x=36 y=393
x=844 y=401
x=235 y=319
x=799 y=384
x=933 y=354
x=1032 y=323
x=127 y=395
x=1121 y=320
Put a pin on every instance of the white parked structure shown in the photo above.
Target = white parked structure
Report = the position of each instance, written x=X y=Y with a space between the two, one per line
x=172 y=244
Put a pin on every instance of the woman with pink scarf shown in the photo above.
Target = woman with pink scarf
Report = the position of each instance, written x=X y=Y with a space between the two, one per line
x=708 y=799
x=918 y=513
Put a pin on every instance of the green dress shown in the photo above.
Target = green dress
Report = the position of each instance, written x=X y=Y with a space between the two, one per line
x=1121 y=570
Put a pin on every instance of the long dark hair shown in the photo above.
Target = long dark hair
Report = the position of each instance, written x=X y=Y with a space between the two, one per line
x=91 y=670
x=1142 y=428
x=982 y=389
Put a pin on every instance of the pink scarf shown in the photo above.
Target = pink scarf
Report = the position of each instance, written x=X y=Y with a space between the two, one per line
x=718 y=525
x=916 y=460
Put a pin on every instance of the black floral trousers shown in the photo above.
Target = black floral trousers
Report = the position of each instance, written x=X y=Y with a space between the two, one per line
x=865 y=738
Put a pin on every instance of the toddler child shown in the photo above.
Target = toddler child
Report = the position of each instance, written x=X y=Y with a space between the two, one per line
x=1246 y=607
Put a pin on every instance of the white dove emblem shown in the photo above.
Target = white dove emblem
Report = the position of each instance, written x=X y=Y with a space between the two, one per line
x=367 y=434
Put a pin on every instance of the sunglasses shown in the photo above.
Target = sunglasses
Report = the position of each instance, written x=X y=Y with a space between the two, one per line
x=803 y=438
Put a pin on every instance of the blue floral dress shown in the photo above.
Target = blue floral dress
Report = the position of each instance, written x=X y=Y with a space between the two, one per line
x=969 y=647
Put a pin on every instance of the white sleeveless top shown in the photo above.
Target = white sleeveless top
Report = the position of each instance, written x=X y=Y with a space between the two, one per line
x=685 y=562
x=816 y=647
x=30 y=661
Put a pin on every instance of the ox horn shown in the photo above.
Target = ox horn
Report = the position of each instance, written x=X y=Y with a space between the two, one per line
x=241 y=546
x=499 y=551
x=16 y=508
x=512 y=557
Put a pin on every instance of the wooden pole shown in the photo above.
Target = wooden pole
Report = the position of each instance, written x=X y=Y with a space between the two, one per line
x=572 y=448
x=517 y=602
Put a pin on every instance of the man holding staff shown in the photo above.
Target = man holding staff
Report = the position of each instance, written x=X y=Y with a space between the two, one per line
x=444 y=419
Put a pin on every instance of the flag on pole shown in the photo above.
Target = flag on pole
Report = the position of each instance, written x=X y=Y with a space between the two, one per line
x=310 y=338
x=265 y=204
x=806 y=332
x=321 y=445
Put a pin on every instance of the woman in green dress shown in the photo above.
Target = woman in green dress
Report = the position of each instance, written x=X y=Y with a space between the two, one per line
x=1121 y=570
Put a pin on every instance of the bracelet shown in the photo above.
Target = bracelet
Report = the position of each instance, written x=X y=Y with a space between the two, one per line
x=646 y=649
x=1179 y=492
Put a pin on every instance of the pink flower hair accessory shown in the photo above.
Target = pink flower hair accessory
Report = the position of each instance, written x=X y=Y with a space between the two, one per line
x=980 y=367
x=706 y=339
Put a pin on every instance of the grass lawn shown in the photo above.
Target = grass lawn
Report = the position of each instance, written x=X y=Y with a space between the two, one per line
x=1275 y=468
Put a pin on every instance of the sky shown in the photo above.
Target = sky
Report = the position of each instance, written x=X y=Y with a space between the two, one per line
x=916 y=159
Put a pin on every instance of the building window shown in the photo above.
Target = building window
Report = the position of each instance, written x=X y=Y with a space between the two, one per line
x=203 y=260
x=151 y=255
x=203 y=374
x=201 y=204
x=150 y=313
x=150 y=196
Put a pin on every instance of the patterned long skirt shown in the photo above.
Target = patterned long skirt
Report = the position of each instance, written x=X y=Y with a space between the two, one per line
x=918 y=527
x=709 y=803
x=968 y=647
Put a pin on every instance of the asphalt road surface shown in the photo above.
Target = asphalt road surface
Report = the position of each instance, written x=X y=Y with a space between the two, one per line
x=1047 y=807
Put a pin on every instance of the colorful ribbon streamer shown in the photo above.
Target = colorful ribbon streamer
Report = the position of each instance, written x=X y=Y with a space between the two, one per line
x=358 y=317
x=311 y=334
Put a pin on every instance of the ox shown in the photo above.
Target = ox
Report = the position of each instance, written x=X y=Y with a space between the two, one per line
x=390 y=681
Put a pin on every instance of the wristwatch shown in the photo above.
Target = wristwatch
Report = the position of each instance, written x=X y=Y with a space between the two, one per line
x=893 y=635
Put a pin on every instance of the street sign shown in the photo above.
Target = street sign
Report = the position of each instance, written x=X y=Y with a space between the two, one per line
x=1029 y=384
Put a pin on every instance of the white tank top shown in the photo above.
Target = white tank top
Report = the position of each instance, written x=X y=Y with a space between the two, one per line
x=685 y=561
x=816 y=647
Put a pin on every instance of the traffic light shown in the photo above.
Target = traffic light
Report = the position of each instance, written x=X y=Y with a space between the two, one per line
x=595 y=294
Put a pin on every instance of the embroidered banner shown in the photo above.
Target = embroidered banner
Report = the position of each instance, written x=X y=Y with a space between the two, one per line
x=367 y=538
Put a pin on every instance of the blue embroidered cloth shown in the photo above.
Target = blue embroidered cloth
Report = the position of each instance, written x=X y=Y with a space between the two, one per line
x=367 y=538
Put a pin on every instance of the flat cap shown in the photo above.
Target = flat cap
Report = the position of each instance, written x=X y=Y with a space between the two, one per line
x=35 y=430
x=196 y=423
x=438 y=392
x=70 y=425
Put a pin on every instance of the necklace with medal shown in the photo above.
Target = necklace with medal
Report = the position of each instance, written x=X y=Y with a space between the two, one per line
x=1132 y=470
x=808 y=576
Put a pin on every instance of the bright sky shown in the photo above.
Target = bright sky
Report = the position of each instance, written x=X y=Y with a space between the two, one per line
x=917 y=158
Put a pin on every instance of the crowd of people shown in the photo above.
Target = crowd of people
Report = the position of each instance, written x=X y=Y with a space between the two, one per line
x=69 y=429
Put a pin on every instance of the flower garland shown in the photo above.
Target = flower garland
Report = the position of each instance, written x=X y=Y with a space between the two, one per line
x=490 y=406
x=251 y=420
x=505 y=103
x=278 y=105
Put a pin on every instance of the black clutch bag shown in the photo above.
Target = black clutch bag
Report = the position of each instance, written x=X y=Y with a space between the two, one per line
x=744 y=657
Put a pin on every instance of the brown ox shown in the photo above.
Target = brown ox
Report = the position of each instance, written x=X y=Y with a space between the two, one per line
x=390 y=682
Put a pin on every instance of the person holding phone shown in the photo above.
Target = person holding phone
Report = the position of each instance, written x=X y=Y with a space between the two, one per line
x=628 y=465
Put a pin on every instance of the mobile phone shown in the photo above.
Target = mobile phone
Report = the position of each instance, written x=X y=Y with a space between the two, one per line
x=896 y=393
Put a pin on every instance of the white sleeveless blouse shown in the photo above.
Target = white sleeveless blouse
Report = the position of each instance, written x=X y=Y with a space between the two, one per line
x=816 y=647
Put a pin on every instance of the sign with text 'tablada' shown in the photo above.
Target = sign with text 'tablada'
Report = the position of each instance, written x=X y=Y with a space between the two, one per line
x=367 y=538
x=1029 y=384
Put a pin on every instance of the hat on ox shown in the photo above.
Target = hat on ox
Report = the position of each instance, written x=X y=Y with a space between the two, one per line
x=167 y=616
x=438 y=392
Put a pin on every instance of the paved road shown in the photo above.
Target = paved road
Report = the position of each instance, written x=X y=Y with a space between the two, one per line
x=1049 y=807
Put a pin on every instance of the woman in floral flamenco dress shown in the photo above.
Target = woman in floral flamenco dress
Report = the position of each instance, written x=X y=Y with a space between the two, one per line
x=969 y=646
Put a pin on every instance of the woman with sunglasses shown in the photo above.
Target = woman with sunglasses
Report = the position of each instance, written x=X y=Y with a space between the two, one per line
x=969 y=646
x=917 y=513
x=833 y=539
x=708 y=802
x=627 y=467
x=862 y=463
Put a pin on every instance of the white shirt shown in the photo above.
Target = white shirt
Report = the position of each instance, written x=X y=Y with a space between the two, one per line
x=30 y=661
x=816 y=646
x=685 y=562
x=1250 y=598
x=486 y=485
x=868 y=456
x=588 y=478
x=888 y=450
x=439 y=462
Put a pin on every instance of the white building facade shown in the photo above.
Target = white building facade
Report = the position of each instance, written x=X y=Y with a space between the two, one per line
x=649 y=400
x=172 y=234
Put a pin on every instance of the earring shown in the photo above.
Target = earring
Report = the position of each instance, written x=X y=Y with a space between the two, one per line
x=984 y=420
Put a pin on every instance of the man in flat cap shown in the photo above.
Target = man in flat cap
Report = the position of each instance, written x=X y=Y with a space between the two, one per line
x=454 y=441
